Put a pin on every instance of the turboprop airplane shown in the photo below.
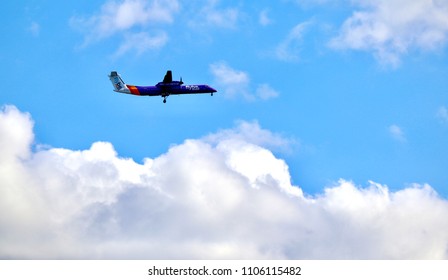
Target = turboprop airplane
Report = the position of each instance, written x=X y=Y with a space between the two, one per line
x=165 y=88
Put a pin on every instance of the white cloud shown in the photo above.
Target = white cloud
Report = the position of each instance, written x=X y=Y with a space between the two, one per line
x=236 y=83
x=34 y=29
x=228 y=75
x=16 y=133
x=397 y=133
x=251 y=132
x=307 y=3
x=123 y=17
x=263 y=18
x=442 y=114
x=265 y=92
x=210 y=15
x=289 y=48
x=390 y=29
x=142 y=42
x=221 y=196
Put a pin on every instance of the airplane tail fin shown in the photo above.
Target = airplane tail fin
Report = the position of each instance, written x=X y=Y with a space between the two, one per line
x=168 y=77
x=118 y=83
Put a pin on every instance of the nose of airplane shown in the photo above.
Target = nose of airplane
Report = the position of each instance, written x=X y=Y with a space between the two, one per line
x=212 y=89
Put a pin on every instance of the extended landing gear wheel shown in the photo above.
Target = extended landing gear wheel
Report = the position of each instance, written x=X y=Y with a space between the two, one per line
x=164 y=100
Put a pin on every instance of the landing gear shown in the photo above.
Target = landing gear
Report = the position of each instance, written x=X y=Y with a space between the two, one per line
x=211 y=93
x=164 y=100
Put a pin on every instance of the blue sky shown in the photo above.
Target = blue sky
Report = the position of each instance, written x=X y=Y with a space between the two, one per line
x=351 y=90
x=338 y=105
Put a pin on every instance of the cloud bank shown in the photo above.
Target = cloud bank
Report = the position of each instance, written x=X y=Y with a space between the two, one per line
x=225 y=195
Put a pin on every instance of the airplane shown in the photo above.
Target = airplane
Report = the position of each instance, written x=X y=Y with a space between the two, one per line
x=165 y=88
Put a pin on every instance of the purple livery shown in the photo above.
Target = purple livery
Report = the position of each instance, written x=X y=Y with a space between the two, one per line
x=165 y=88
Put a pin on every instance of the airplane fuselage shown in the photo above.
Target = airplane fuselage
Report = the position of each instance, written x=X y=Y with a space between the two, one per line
x=165 y=88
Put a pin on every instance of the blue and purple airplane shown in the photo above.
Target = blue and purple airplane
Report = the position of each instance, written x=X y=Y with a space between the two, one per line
x=165 y=88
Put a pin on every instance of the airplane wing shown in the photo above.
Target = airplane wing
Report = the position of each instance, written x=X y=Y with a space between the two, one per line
x=168 y=77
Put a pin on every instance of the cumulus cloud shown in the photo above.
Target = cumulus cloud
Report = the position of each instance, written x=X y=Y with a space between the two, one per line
x=236 y=83
x=252 y=132
x=221 y=196
x=390 y=29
